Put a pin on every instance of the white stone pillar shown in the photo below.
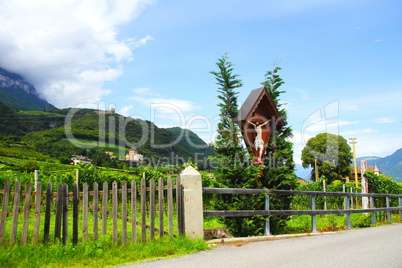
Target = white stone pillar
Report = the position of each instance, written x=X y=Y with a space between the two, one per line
x=192 y=203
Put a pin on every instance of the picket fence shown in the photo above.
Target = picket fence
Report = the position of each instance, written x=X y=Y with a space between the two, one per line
x=63 y=215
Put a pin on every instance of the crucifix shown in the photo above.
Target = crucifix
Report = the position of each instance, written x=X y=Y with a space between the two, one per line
x=259 y=143
x=258 y=118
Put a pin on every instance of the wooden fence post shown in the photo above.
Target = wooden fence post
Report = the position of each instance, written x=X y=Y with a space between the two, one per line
x=95 y=211
x=38 y=199
x=114 y=210
x=77 y=176
x=27 y=207
x=105 y=194
x=16 y=209
x=49 y=196
x=4 y=211
x=192 y=203
x=36 y=179
x=124 y=211
x=179 y=206
x=161 y=208
x=152 y=209
x=75 y=214
x=133 y=211
x=143 y=211
x=59 y=207
x=65 y=213
x=313 y=217
x=85 y=212
x=170 y=205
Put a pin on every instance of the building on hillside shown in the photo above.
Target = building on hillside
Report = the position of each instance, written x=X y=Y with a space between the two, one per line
x=374 y=168
x=111 y=111
x=134 y=156
x=110 y=154
x=302 y=181
x=80 y=159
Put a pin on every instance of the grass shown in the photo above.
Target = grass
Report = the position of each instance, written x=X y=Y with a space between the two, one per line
x=213 y=222
x=116 y=149
x=102 y=253
x=302 y=223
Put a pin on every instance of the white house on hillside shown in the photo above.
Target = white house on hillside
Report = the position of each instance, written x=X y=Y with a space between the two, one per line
x=80 y=159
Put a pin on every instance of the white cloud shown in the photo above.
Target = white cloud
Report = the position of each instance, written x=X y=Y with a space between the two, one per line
x=351 y=107
x=179 y=104
x=384 y=120
x=358 y=131
x=144 y=91
x=327 y=125
x=67 y=49
x=125 y=110
x=377 y=146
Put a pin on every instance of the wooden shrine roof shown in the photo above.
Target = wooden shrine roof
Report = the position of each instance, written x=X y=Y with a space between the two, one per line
x=259 y=100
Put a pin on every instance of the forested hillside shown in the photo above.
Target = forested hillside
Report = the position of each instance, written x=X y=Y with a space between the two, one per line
x=20 y=123
x=60 y=133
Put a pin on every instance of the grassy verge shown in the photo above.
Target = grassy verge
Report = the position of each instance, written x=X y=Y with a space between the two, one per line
x=302 y=224
x=102 y=253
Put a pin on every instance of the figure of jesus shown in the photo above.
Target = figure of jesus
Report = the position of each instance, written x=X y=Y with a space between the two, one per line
x=258 y=141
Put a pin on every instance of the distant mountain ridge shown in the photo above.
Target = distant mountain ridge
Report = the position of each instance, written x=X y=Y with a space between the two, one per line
x=18 y=94
x=390 y=166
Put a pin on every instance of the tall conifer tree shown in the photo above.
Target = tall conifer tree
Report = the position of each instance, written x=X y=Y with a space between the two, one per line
x=279 y=170
x=234 y=166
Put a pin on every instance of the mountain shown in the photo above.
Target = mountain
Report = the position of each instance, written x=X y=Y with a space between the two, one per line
x=301 y=172
x=18 y=94
x=390 y=166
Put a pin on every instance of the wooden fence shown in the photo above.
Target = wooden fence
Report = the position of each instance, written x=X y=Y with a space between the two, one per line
x=313 y=212
x=126 y=213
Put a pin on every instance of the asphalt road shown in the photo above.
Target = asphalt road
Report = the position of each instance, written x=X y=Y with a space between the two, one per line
x=371 y=247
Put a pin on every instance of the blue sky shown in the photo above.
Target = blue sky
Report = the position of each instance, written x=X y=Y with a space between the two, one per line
x=341 y=60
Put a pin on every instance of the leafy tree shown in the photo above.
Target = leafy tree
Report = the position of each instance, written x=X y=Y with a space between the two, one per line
x=234 y=166
x=279 y=170
x=333 y=156
x=30 y=166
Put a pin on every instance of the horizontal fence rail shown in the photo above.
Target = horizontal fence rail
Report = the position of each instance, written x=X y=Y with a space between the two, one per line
x=313 y=212
x=125 y=211
x=211 y=190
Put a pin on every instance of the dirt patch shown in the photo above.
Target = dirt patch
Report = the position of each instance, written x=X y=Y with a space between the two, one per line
x=233 y=244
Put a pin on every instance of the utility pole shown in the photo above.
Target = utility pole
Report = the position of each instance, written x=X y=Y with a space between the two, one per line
x=316 y=169
x=353 y=142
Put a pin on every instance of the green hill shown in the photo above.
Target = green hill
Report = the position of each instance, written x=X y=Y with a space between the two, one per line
x=91 y=134
x=20 y=123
